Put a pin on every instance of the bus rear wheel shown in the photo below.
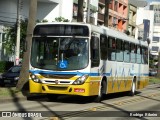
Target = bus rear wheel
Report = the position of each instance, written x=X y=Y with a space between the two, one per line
x=133 y=88
x=102 y=92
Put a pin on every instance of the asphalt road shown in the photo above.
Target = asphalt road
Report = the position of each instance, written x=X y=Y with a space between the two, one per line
x=144 y=105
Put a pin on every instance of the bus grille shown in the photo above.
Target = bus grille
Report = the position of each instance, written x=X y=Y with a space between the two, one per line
x=57 y=88
x=57 y=76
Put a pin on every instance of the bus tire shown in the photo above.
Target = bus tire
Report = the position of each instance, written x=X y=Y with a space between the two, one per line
x=52 y=97
x=133 y=88
x=102 y=92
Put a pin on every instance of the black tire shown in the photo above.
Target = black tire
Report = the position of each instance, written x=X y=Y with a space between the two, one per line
x=52 y=97
x=133 y=88
x=102 y=92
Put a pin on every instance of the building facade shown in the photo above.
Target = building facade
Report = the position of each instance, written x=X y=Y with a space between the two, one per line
x=122 y=14
x=118 y=11
x=142 y=28
x=46 y=10
x=155 y=45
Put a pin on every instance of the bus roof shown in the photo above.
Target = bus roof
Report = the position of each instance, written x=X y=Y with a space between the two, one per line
x=102 y=30
x=117 y=34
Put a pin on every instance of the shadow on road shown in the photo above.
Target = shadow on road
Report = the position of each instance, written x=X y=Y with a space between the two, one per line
x=79 y=99
x=17 y=104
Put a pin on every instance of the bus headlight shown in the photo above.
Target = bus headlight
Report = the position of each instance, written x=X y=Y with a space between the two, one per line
x=80 y=80
x=35 y=78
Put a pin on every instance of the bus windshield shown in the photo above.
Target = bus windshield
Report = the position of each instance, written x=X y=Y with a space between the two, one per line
x=59 y=53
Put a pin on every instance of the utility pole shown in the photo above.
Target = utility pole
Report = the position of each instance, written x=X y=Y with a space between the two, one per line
x=106 y=14
x=88 y=11
x=18 y=32
x=80 y=11
x=23 y=83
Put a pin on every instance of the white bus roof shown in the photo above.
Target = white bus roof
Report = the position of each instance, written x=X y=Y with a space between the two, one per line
x=102 y=30
x=117 y=34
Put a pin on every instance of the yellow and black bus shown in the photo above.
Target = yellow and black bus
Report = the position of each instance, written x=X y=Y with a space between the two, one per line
x=86 y=60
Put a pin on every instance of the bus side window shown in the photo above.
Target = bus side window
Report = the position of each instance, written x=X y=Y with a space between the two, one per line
x=119 y=53
x=126 y=52
x=133 y=52
x=103 y=47
x=139 y=52
x=144 y=55
x=111 y=49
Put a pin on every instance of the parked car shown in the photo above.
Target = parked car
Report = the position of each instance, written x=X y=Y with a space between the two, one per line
x=152 y=72
x=10 y=77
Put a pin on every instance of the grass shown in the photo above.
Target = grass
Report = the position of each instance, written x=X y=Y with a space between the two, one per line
x=154 y=80
x=8 y=91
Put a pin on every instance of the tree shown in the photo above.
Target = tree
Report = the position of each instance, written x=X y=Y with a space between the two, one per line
x=80 y=11
x=106 y=14
x=10 y=40
x=24 y=74
x=61 y=19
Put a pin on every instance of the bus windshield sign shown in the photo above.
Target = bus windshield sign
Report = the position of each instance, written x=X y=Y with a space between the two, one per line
x=61 y=30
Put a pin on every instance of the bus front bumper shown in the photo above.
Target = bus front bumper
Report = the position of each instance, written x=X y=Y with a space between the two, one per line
x=82 y=90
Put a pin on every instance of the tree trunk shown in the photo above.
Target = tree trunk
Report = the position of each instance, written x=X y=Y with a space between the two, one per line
x=24 y=74
x=106 y=14
x=80 y=11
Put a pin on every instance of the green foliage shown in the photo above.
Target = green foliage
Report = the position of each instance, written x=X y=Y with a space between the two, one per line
x=11 y=35
x=61 y=19
x=5 y=65
x=44 y=21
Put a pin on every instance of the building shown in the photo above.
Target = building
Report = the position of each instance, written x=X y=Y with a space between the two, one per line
x=92 y=16
x=118 y=11
x=119 y=18
x=46 y=9
x=142 y=28
x=155 y=44
x=132 y=14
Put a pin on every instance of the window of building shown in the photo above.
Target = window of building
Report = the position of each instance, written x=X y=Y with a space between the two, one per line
x=116 y=6
x=155 y=39
x=155 y=48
